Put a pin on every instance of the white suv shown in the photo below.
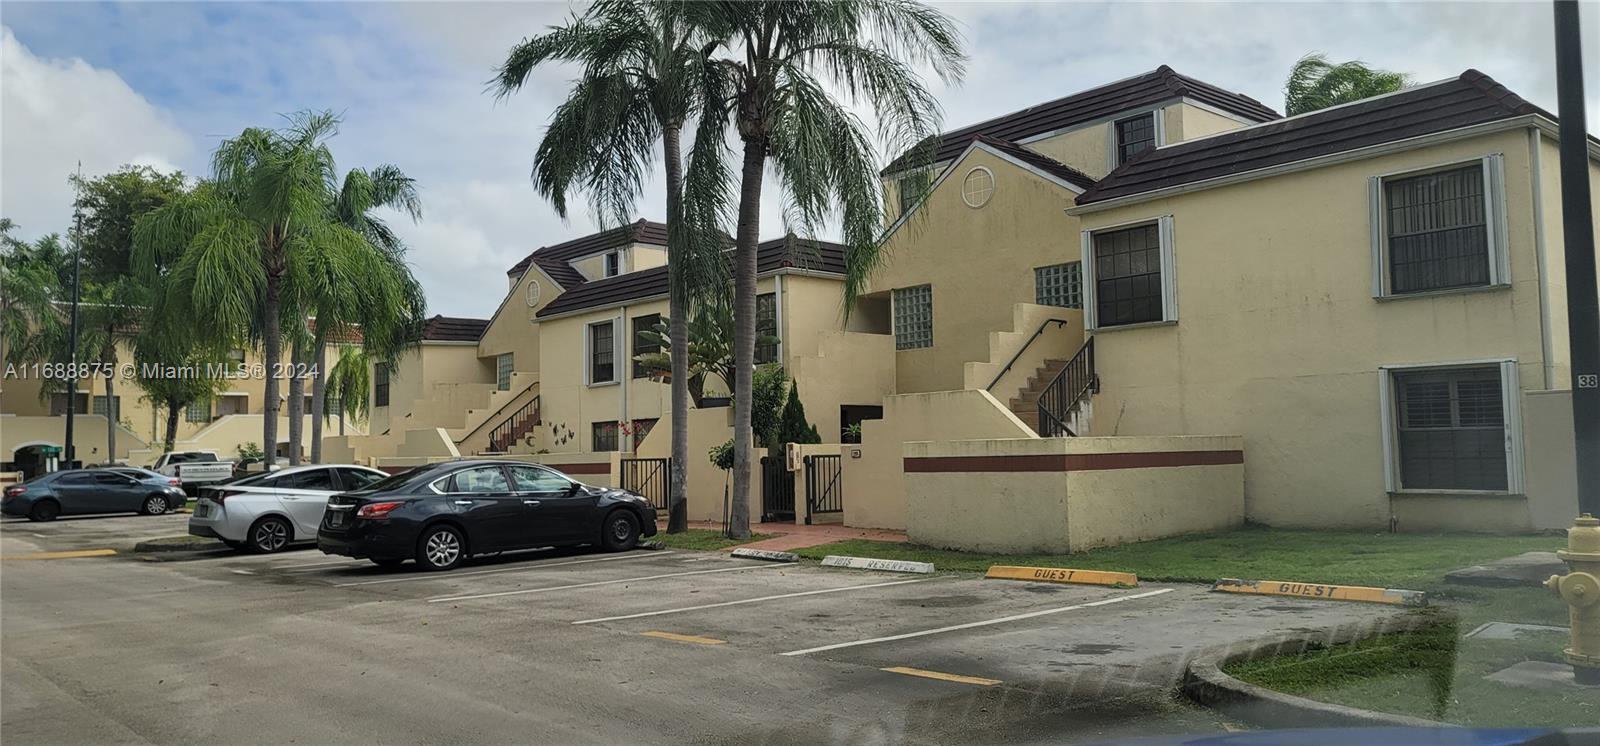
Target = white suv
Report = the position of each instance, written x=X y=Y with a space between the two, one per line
x=267 y=512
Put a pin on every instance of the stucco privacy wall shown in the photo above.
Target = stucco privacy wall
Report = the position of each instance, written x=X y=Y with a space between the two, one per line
x=979 y=263
x=433 y=381
x=874 y=485
x=842 y=368
x=1278 y=336
x=1069 y=494
x=89 y=432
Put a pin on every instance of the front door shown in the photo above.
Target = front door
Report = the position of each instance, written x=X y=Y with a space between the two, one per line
x=555 y=511
x=491 y=511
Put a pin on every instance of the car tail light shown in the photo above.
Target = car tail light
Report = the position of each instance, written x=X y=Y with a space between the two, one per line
x=15 y=490
x=377 y=510
x=218 y=496
x=175 y=482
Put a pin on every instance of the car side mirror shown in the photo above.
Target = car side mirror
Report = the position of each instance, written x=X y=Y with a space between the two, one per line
x=572 y=489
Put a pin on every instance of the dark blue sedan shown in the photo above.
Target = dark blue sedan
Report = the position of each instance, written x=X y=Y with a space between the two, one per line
x=81 y=491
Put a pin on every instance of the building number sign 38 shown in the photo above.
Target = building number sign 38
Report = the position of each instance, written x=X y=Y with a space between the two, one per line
x=1588 y=381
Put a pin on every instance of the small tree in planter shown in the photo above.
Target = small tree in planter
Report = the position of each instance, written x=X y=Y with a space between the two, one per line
x=792 y=425
x=722 y=458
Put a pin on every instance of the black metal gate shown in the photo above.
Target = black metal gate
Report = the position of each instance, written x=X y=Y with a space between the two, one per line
x=777 y=490
x=824 y=488
x=649 y=477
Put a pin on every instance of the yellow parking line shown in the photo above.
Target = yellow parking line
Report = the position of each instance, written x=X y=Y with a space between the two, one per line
x=60 y=555
x=942 y=676
x=684 y=638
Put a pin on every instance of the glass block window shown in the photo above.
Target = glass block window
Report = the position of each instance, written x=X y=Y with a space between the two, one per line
x=1135 y=135
x=602 y=353
x=1059 y=285
x=1452 y=429
x=1437 y=230
x=913 y=317
x=502 y=371
x=604 y=436
x=111 y=409
x=645 y=344
x=199 y=411
x=1127 y=269
x=766 y=326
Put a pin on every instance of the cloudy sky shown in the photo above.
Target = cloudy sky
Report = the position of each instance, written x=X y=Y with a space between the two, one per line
x=162 y=83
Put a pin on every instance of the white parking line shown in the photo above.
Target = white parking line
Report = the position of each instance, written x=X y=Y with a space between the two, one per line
x=970 y=625
x=751 y=601
x=601 y=582
x=319 y=564
x=526 y=566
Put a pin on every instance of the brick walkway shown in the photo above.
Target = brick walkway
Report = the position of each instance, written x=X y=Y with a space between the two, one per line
x=789 y=536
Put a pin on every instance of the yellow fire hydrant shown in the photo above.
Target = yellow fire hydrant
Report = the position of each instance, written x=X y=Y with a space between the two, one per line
x=1580 y=588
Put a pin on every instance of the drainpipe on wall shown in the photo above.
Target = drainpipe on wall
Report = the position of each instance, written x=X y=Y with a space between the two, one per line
x=1546 y=344
x=624 y=339
x=777 y=289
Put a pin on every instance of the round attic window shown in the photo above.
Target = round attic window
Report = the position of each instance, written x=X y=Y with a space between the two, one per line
x=533 y=294
x=977 y=187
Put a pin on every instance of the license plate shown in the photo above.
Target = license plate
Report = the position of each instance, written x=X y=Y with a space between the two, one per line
x=202 y=510
x=335 y=520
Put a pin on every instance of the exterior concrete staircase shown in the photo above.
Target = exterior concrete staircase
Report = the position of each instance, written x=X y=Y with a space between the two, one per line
x=1025 y=405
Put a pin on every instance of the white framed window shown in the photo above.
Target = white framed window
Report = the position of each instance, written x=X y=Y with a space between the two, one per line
x=1129 y=274
x=1452 y=427
x=1059 y=285
x=977 y=188
x=613 y=264
x=502 y=371
x=600 y=352
x=913 y=317
x=1439 y=229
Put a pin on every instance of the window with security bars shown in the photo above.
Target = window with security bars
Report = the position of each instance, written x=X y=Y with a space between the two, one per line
x=380 y=385
x=1127 y=276
x=199 y=411
x=646 y=344
x=1059 y=285
x=1437 y=230
x=1452 y=430
x=913 y=317
x=605 y=436
x=58 y=404
x=766 y=327
x=602 y=353
x=502 y=371
x=1134 y=136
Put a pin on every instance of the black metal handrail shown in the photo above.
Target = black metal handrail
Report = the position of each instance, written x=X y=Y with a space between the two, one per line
x=1013 y=360
x=1063 y=393
x=515 y=426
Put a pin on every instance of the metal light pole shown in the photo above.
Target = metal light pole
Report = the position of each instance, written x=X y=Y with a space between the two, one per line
x=1580 y=588
x=72 y=334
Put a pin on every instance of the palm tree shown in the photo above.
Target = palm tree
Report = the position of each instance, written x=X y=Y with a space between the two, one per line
x=773 y=84
x=349 y=382
x=1315 y=83
x=29 y=286
x=639 y=59
x=236 y=244
x=710 y=346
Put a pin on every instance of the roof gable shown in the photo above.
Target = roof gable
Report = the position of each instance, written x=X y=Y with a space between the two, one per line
x=551 y=258
x=1161 y=84
x=1038 y=164
x=1470 y=99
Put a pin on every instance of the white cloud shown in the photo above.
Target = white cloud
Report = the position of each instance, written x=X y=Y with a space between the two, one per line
x=55 y=113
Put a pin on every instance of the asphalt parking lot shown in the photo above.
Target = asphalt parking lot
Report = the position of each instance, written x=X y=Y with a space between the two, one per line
x=571 y=646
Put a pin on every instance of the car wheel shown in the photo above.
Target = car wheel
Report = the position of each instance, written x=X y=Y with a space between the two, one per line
x=44 y=510
x=268 y=535
x=154 y=505
x=387 y=562
x=620 y=531
x=441 y=548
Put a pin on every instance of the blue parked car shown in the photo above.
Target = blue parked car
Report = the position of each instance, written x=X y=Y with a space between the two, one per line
x=80 y=491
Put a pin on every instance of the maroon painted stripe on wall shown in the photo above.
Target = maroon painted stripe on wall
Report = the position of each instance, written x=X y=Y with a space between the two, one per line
x=1072 y=462
x=603 y=467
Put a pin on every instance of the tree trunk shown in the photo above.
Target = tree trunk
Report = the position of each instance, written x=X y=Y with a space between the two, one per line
x=272 y=355
x=172 y=425
x=678 y=321
x=319 y=394
x=744 y=325
x=297 y=402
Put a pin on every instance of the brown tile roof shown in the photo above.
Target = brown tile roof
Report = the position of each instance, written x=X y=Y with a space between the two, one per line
x=1472 y=98
x=1040 y=161
x=453 y=329
x=1160 y=84
x=551 y=258
x=771 y=256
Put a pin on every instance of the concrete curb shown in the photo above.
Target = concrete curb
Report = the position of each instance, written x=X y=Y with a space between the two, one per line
x=1205 y=682
x=168 y=545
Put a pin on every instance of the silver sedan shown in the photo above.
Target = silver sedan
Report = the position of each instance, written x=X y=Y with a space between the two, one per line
x=267 y=512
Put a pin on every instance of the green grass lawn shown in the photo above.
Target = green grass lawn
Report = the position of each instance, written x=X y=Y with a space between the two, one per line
x=1433 y=673
x=703 y=539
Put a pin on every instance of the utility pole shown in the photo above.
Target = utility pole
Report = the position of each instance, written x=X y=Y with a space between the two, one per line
x=1582 y=554
x=72 y=334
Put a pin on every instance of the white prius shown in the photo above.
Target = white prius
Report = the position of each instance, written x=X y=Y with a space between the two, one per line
x=267 y=512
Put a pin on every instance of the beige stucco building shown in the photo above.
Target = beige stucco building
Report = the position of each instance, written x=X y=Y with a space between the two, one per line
x=1349 y=318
